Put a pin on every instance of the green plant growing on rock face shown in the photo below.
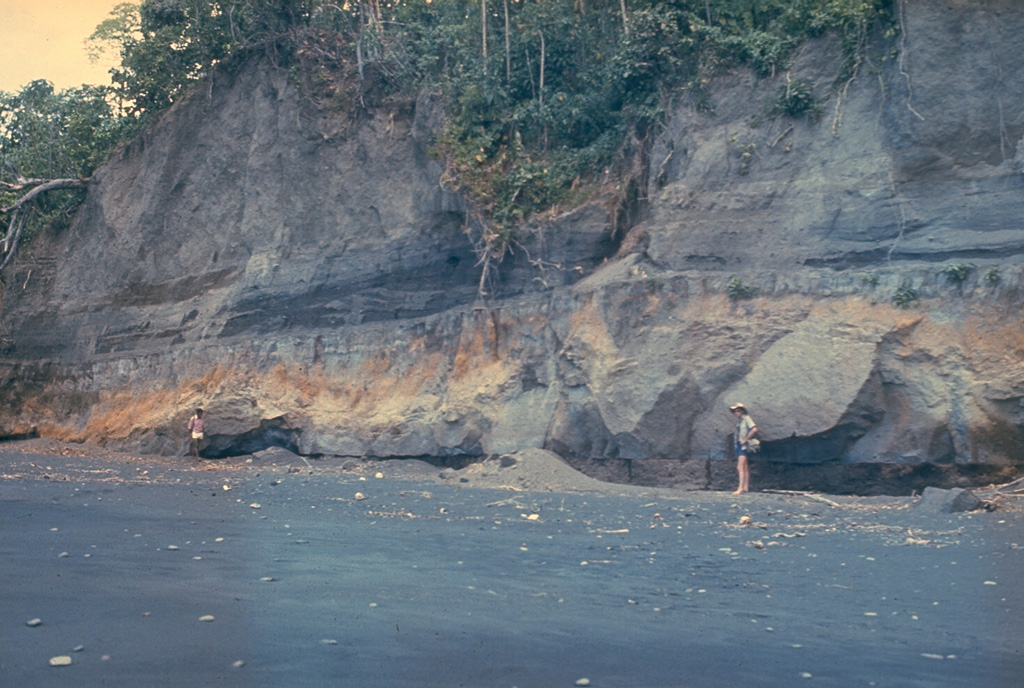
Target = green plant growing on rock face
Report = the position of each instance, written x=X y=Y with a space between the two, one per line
x=993 y=276
x=796 y=99
x=871 y=279
x=739 y=291
x=957 y=272
x=905 y=296
x=746 y=153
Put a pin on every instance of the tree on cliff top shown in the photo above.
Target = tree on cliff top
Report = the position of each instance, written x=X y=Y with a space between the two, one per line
x=544 y=97
x=50 y=142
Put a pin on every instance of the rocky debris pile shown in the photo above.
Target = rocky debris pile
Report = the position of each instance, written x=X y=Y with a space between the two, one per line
x=951 y=501
x=528 y=469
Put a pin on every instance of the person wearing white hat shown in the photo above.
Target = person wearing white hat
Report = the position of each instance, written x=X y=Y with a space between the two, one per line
x=745 y=431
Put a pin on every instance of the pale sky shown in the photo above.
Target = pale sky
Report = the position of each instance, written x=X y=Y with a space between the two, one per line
x=45 y=39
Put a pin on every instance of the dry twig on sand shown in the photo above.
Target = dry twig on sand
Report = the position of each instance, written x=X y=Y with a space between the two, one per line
x=809 y=495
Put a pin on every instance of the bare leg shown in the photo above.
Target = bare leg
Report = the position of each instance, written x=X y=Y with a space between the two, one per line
x=743 y=469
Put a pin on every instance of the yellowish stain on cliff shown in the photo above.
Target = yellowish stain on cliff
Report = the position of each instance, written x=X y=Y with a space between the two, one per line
x=122 y=412
x=421 y=381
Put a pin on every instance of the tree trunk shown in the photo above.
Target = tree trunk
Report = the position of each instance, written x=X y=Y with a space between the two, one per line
x=483 y=30
x=543 y=52
x=508 y=48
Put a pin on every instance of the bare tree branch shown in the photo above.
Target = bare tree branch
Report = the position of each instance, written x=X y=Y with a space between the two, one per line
x=9 y=249
x=44 y=185
x=10 y=239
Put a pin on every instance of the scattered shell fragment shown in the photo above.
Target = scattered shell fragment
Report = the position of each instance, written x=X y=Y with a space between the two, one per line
x=254 y=505
x=32 y=623
x=207 y=618
x=360 y=496
x=60 y=660
x=746 y=521
x=239 y=664
x=583 y=682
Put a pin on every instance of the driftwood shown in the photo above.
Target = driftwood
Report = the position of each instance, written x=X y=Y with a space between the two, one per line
x=808 y=495
x=1010 y=487
x=990 y=496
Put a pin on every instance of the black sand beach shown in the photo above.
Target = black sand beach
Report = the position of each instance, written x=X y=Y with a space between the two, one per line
x=282 y=572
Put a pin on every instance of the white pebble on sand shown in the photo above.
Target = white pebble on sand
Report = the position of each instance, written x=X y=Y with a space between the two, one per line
x=32 y=623
x=206 y=618
x=60 y=660
x=583 y=682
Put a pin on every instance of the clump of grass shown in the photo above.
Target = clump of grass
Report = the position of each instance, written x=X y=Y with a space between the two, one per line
x=905 y=296
x=957 y=272
x=993 y=276
x=796 y=99
x=738 y=291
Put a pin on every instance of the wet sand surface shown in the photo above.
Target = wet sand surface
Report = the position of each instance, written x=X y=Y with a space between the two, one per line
x=164 y=572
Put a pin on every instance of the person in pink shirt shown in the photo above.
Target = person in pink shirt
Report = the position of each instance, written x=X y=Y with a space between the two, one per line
x=197 y=426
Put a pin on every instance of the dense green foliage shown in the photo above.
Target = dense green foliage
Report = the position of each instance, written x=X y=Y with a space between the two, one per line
x=47 y=135
x=543 y=96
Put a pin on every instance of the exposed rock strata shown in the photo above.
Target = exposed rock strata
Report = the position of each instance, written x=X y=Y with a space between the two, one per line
x=309 y=281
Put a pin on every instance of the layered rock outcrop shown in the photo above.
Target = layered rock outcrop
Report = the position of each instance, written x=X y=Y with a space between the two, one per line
x=306 y=277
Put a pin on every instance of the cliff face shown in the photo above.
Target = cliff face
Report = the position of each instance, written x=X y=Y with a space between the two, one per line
x=307 y=279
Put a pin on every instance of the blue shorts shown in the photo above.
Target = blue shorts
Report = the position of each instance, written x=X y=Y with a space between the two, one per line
x=740 y=450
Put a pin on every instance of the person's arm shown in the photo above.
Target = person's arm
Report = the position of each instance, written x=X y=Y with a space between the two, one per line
x=750 y=433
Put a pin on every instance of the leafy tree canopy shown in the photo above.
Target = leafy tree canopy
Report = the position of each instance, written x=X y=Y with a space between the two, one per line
x=541 y=95
x=54 y=138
